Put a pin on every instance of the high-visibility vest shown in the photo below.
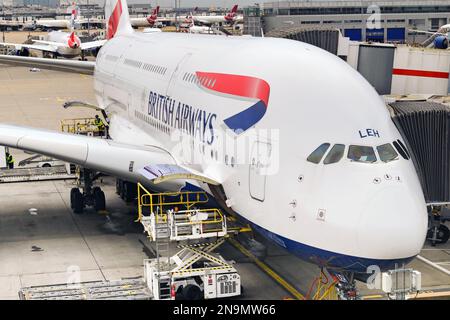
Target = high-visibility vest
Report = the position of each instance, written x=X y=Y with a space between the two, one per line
x=9 y=159
x=99 y=123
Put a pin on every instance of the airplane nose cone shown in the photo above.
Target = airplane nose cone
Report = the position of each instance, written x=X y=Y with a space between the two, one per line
x=393 y=225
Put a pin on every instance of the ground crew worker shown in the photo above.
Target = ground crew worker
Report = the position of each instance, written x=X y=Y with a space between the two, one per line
x=99 y=124
x=9 y=160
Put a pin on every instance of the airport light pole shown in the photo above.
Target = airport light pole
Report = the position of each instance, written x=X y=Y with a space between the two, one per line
x=177 y=6
x=3 y=28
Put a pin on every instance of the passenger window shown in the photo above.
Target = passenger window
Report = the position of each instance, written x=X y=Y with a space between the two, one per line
x=400 y=148
x=317 y=154
x=335 y=155
x=361 y=154
x=387 y=152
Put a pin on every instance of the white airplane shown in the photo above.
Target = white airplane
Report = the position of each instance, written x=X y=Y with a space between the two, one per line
x=230 y=18
x=324 y=172
x=198 y=29
x=438 y=39
x=146 y=22
x=55 y=24
x=59 y=44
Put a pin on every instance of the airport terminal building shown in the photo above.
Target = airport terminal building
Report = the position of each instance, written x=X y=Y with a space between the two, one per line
x=397 y=16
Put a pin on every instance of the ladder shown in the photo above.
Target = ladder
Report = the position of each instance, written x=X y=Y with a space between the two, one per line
x=162 y=248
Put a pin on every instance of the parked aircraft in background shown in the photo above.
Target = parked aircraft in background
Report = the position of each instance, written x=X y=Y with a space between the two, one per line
x=56 y=24
x=438 y=39
x=149 y=21
x=229 y=18
x=58 y=44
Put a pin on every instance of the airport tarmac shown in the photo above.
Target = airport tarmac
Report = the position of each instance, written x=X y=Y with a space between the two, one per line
x=19 y=36
x=40 y=249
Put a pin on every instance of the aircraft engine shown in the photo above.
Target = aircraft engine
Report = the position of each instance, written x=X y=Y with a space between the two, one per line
x=441 y=42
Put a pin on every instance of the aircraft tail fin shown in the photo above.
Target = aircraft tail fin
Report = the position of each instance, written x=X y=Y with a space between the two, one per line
x=232 y=14
x=154 y=16
x=73 y=16
x=117 y=18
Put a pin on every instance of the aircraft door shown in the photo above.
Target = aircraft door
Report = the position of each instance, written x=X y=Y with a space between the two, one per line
x=259 y=162
x=175 y=74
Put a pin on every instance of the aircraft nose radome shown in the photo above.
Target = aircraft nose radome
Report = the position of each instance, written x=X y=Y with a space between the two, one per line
x=393 y=225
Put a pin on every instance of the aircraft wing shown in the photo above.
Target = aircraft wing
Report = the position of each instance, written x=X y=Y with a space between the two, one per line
x=117 y=159
x=427 y=32
x=62 y=24
x=41 y=47
x=51 y=43
x=86 y=67
x=164 y=172
x=203 y=21
x=92 y=44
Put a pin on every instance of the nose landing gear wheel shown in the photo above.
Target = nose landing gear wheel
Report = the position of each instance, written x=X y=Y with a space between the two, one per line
x=438 y=235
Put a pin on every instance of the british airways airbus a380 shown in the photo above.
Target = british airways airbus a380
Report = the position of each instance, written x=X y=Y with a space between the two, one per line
x=342 y=192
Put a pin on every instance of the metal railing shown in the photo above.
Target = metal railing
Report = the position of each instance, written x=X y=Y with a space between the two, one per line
x=159 y=203
x=79 y=126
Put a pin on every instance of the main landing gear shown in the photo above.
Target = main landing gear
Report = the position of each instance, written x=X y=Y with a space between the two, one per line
x=86 y=194
x=438 y=232
x=126 y=190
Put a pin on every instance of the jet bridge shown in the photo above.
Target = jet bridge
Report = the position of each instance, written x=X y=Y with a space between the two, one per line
x=425 y=127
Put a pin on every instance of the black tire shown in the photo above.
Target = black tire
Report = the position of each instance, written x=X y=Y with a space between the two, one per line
x=443 y=235
x=129 y=192
x=99 y=200
x=118 y=186
x=96 y=190
x=179 y=294
x=72 y=197
x=192 y=292
x=78 y=202
x=122 y=190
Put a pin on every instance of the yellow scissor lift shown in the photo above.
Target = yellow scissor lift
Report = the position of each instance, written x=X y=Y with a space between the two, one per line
x=194 y=271
x=177 y=216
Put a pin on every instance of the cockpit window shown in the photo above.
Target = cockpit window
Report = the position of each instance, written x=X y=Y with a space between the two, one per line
x=387 y=152
x=401 y=149
x=404 y=147
x=317 y=154
x=361 y=154
x=335 y=155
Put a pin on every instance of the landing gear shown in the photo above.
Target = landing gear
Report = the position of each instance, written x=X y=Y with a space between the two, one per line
x=438 y=232
x=86 y=195
x=126 y=190
x=82 y=57
x=76 y=201
x=99 y=199
x=346 y=286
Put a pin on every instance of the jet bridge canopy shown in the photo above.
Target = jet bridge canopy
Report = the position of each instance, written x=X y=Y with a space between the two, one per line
x=327 y=39
x=425 y=127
